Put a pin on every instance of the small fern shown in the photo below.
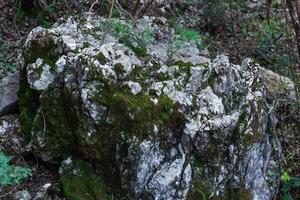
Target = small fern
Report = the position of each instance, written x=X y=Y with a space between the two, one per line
x=11 y=174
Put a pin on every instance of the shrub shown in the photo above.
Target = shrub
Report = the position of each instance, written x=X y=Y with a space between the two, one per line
x=11 y=174
x=289 y=185
x=269 y=45
x=182 y=39
x=136 y=38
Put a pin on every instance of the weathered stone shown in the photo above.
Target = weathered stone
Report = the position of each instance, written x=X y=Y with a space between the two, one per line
x=22 y=195
x=144 y=125
x=276 y=84
x=9 y=87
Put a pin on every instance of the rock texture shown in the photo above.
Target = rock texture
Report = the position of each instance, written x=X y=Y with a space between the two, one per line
x=9 y=87
x=145 y=120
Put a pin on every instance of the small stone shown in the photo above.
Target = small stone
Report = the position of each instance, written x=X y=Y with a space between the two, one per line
x=134 y=87
x=22 y=195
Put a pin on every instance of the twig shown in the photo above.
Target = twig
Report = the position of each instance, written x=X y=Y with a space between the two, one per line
x=119 y=5
x=91 y=8
x=9 y=192
x=108 y=29
x=111 y=9
x=145 y=8
x=44 y=121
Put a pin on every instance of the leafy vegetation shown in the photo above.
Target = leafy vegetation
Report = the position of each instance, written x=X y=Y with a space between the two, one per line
x=7 y=61
x=11 y=174
x=289 y=184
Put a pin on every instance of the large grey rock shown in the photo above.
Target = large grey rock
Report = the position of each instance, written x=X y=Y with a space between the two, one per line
x=9 y=87
x=153 y=124
x=277 y=85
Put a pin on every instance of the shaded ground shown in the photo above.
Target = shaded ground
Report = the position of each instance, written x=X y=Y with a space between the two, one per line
x=11 y=143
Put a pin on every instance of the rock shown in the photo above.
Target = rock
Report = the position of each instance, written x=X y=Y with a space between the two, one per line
x=128 y=122
x=9 y=87
x=277 y=85
x=22 y=195
x=43 y=193
x=134 y=87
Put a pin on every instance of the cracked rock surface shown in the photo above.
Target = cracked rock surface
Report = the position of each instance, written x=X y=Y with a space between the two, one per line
x=145 y=125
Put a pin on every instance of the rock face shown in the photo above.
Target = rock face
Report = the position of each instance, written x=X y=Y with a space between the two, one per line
x=138 y=120
x=9 y=87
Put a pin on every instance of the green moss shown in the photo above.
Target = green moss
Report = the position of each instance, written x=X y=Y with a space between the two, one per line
x=205 y=64
x=129 y=113
x=184 y=69
x=140 y=75
x=80 y=182
x=101 y=58
x=202 y=191
x=28 y=105
x=134 y=114
x=139 y=50
x=119 y=68
x=211 y=80
x=199 y=192
x=44 y=48
x=182 y=64
x=237 y=194
x=162 y=77
x=86 y=45
x=239 y=128
x=56 y=122
x=252 y=138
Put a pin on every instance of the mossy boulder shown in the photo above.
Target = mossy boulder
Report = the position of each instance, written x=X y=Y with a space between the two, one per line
x=80 y=182
x=143 y=126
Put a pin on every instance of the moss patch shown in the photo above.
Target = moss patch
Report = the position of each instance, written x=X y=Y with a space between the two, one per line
x=80 y=182
x=28 y=105
x=56 y=122
x=44 y=48
x=140 y=51
x=101 y=58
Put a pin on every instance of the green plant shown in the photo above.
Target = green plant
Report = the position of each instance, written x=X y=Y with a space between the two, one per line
x=136 y=38
x=288 y=186
x=183 y=38
x=120 y=28
x=11 y=174
x=7 y=58
x=6 y=66
x=43 y=14
x=187 y=34
x=269 y=45
x=285 y=177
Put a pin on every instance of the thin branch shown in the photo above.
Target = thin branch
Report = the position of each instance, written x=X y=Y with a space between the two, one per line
x=119 y=5
x=145 y=8
x=91 y=8
x=111 y=9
